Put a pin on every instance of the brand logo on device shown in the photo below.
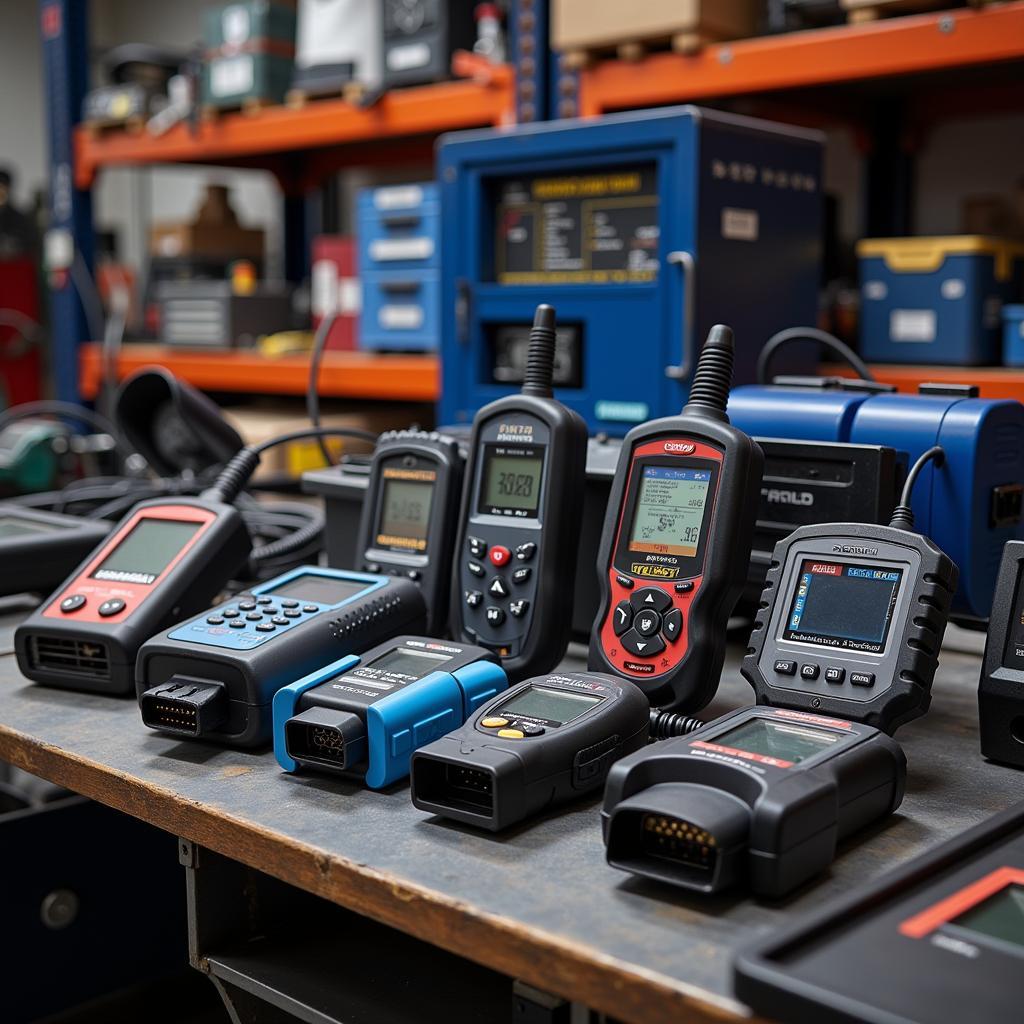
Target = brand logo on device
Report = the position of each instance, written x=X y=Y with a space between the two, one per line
x=853 y=549
x=658 y=572
x=685 y=447
x=120 y=576
x=777 y=497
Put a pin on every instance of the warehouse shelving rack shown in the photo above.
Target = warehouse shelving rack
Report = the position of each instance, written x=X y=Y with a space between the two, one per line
x=889 y=78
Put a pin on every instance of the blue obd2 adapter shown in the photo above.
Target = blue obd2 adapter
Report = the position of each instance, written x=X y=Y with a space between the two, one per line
x=364 y=715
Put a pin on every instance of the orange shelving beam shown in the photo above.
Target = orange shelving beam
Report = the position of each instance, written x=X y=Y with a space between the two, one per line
x=363 y=375
x=485 y=98
x=847 y=53
x=992 y=381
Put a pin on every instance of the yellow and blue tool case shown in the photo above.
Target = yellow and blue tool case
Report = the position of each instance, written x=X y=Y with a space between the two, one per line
x=399 y=230
x=249 y=53
x=937 y=299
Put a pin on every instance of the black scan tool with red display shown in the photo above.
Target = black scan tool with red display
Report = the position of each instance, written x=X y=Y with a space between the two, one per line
x=676 y=542
x=522 y=504
x=164 y=561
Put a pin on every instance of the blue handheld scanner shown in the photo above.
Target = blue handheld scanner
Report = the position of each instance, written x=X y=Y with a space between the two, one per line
x=970 y=507
x=364 y=715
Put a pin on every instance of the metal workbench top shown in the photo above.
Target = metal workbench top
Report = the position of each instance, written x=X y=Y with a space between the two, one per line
x=537 y=903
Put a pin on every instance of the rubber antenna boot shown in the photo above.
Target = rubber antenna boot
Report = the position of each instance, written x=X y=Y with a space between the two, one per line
x=709 y=393
x=540 y=359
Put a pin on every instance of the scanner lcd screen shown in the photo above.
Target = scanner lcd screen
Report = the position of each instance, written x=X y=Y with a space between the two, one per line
x=785 y=741
x=843 y=605
x=318 y=589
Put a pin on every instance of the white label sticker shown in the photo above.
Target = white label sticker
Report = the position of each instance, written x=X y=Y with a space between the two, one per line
x=398 y=197
x=231 y=75
x=400 y=318
x=876 y=290
x=953 y=288
x=411 y=55
x=740 y=225
x=350 y=295
x=917 y=325
x=324 y=288
x=384 y=249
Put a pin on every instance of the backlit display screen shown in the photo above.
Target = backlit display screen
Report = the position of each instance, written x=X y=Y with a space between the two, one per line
x=1001 y=916
x=670 y=508
x=555 y=706
x=149 y=547
x=842 y=605
x=318 y=589
x=406 y=499
x=512 y=477
x=783 y=741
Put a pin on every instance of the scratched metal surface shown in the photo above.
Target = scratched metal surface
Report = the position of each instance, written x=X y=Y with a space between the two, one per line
x=549 y=875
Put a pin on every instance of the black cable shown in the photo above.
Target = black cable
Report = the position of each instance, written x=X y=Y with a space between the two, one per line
x=823 y=338
x=237 y=473
x=313 y=387
x=665 y=724
x=70 y=411
x=903 y=514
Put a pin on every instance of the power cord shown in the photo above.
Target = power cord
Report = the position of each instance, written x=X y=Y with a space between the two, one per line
x=823 y=338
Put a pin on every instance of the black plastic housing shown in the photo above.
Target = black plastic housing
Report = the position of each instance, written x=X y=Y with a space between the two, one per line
x=417 y=450
x=768 y=826
x=548 y=623
x=1001 y=685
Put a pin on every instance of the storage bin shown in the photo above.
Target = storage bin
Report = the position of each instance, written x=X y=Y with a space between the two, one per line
x=1013 y=335
x=935 y=300
x=400 y=310
x=399 y=228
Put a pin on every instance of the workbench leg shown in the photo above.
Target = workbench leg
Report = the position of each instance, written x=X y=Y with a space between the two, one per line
x=245 y=1008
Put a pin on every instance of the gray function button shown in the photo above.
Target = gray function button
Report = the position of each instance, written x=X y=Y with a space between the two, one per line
x=526 y=551
x=519 y=608
x=862 y=678
x=647 y=623
x=498 y=587
x=247 y=606
x=522 y=575
x=475 y=568
x=292 y=613
x=477 y=547
x=237 y=624
x=495 y=616
x=529 y=729
x=474 y=598
x=266 y=627
x=215 y=620
x=230 y=613
x=624 y=581
x=834 y=674
x=784 y=667
x=72 y=603
x=111 y=606
x=254 y=616
x=264 y=600
x=280 y=620
x=809 y=671
x=684 y=588
x=310 y=608
x=289 y=603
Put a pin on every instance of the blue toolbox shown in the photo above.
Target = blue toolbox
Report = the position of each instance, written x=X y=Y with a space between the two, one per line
x=970 y=507
x=641 y=230
x=936 y=300
x=1013 y=335
x=399 y=230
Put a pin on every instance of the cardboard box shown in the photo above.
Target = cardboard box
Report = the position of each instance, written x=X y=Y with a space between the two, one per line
x=593 y=24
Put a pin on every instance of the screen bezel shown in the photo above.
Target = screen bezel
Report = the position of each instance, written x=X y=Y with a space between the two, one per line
x=142 y=577
x=505 y=709
x=783 y=632
x=685 y=566
x=279 y=591
x=511 y=513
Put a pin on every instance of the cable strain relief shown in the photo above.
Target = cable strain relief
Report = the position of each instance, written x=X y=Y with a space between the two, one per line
x=540 y=359
x=712 y=379
x=902 y=518
x=234 y=476
x=670 y=723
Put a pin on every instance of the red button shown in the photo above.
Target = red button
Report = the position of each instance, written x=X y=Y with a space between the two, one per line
x=499 y=555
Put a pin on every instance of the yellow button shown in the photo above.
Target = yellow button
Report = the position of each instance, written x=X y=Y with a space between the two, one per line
x=494 y=723
x=511 y=734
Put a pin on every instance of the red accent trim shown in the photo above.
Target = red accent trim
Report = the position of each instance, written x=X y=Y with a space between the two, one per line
x=266 y=45
x=802 y=716
x=747 y=755
x=51 y=21
x=133 y=594
x=670 y=659
x=927 y=921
